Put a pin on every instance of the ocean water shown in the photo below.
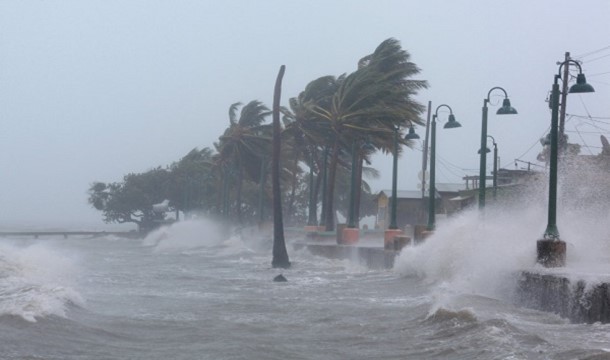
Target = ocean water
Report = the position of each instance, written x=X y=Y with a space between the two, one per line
x=185 y=292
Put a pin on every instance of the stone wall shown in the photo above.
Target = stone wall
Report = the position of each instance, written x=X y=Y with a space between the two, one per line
x=578 y=301
x=374 y=258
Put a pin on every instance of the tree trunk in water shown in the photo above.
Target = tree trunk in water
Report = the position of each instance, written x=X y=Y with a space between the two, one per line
x=330 y=188
x=280 y=255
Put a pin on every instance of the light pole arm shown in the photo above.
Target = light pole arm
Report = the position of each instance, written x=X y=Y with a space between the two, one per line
x=495 y=88
x=569 y=61
x=440 y=106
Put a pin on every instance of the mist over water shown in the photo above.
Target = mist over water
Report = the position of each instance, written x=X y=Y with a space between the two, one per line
x=184 y=235
x=483 y=254
x=192 y=291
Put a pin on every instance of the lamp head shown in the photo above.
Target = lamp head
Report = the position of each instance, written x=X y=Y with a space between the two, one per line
x=486 y=150
x=412 y=135
x=452 y=123
x=506 y=108
x=367 y=146
x=581 y=85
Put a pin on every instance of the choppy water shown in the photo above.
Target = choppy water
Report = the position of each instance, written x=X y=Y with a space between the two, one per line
x=186 y=293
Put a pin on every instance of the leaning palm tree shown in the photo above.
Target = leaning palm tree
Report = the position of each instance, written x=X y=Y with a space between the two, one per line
x=302 y=138
x=242 y=145
x=370 y=102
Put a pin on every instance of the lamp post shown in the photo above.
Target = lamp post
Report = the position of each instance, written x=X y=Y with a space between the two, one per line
x=392 y=229
x=393 y=224
x=495 y=171
x=551 y=250
x=451 y=123
x=495 y=180
x=506 y=109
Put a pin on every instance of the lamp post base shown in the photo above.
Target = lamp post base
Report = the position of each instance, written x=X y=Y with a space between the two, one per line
x=350 y=236
x=551 y=253
x=388 y=238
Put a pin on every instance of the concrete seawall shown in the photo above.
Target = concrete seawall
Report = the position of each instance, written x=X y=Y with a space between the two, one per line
x=372 y=257
x=576 y=300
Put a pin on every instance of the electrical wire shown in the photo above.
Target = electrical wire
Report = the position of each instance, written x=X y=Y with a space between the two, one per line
x=582 y=139
x=594 y=118
x=597 y=58
x=597 y=74
x=591 y=52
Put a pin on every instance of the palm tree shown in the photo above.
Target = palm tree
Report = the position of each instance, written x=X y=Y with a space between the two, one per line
x=280 y=255
x=242 y=146
x=370 y=102
x=302 y=134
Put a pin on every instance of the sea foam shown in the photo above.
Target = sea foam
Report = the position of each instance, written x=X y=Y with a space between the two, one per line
x=36 y=281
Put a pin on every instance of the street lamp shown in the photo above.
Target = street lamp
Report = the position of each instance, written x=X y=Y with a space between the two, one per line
x=393 y=230
x=451 y=123
x=551 y=250
x=506 y=109
x=410 y=136
x=495 y=180
x=495 y=171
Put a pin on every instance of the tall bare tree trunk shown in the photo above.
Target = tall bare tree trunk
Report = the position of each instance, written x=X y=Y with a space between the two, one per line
x=280 y=255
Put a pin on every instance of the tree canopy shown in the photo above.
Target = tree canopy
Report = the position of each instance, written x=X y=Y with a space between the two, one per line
x=320 y=127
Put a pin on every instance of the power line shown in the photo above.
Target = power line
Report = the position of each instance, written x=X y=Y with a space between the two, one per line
x=592 y=52
x=445 y=164
x=597 y=58
x=604 y=73
x=582 y=139
x=590 y=117
x=535 y=143
x=589 y=132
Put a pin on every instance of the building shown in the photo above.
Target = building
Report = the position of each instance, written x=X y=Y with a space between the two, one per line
x=412 y=208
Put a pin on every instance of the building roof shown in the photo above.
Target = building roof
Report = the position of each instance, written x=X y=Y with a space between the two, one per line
x=403 y=194
x=446 y=187
x=417 y=194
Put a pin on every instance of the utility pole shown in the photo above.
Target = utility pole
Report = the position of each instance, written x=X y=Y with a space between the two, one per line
x=564 y=94
x=424 y=162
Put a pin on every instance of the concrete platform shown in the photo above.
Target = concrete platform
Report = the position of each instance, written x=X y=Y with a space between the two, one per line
x=367 y=252
x=568 y=295
x=581 y=297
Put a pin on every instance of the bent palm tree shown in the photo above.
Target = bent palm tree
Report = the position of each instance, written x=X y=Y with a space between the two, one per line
x=369 y=102
x=242 y=145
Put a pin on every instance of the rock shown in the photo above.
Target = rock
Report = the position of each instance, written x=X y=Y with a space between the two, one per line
x=280 y=278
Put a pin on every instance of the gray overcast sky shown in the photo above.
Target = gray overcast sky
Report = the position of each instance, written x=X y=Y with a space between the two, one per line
x=92 y=90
